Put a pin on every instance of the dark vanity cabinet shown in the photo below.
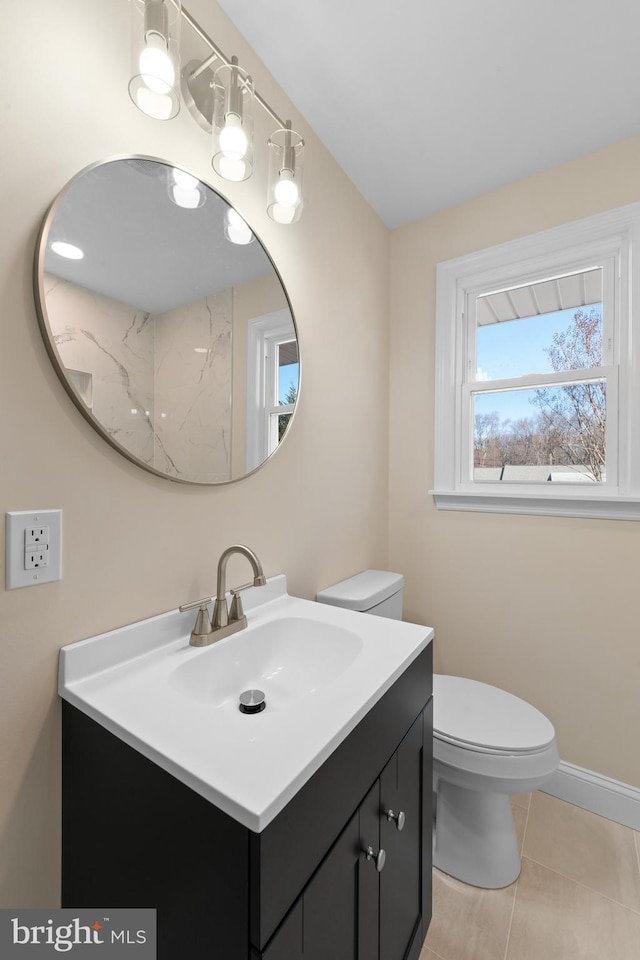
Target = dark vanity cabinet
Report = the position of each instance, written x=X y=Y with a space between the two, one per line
x=302 y=889
x=351 y=908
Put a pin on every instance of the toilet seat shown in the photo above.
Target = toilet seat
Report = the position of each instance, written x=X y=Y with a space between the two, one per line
x=477 y=717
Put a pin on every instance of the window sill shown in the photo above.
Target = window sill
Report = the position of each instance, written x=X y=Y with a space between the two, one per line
x=547 y=505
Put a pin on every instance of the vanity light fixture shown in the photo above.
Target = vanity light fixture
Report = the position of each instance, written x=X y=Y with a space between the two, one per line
x=155 y=57
x=232 y=122
x=236 y=230
x=67 y=250
x=284 y=196
x=220 y=100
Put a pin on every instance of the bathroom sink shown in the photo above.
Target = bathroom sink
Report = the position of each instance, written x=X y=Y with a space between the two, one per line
x=288 y=659
x=320 y=667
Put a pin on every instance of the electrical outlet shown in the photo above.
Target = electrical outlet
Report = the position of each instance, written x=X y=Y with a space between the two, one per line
x=36 y=536
x=33 y=548
x=36 y=558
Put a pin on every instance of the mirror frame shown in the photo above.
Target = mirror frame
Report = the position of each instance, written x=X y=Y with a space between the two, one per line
x=61 y=370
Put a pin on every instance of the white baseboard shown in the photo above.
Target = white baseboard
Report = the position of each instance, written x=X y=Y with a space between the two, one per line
x=592 y=791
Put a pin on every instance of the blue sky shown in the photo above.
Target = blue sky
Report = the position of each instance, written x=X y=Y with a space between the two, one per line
x=513 y=349
x=287 y=374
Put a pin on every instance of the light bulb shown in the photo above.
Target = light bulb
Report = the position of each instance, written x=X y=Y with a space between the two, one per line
x=156 y=67
x=231 y=169
x=281 y=213
x=286 y=191
x=186 y=191
x=190 y=199
x=233 y=140
x=156 y=105
x=236 y=230
x=185 y=180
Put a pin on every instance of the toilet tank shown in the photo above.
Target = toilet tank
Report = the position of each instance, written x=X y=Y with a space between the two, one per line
x=372 y=591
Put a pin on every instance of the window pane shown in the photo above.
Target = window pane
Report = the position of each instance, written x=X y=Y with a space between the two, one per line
x=552 y=325
x=548 y=434
x=283 y=423
x=288 y=372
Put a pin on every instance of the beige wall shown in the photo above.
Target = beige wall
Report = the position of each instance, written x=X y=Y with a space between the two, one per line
x=547 y=608
x=134 y=544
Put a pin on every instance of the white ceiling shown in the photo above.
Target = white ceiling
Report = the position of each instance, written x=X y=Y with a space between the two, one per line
x=140 y=248
x=475 y=93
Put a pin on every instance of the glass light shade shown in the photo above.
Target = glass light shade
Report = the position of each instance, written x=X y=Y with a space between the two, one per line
x=284 y=193
x=188 y=197
x=185 y=190
x=155 y=57
x=235 y=228
x=232 y=124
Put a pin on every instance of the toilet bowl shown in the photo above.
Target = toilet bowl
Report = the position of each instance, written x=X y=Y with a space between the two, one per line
x=487 y=745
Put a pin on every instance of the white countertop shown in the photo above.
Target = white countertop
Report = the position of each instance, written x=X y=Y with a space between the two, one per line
x=148 y=686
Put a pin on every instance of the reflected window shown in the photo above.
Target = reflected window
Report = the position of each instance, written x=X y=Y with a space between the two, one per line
x=286 y=372
x=274 y=380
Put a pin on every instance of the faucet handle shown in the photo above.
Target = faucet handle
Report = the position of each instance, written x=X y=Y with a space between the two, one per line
x=195 y=603
x=201 y=633
x=236 y=611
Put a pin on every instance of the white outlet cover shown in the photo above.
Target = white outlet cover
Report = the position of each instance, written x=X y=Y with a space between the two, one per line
x=17 y=523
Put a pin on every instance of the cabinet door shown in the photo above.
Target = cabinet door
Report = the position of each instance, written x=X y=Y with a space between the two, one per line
x=401 y=878
x=337 y=916
x=350 y=910
x=323 y=923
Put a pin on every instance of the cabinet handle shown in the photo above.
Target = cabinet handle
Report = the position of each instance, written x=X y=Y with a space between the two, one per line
x=398 y=818
x=378 y=858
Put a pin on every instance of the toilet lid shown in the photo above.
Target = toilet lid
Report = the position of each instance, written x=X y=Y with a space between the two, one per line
x=480 y=717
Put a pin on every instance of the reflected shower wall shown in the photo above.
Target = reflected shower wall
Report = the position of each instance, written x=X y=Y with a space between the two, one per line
x=160 y=384
x=193 y=389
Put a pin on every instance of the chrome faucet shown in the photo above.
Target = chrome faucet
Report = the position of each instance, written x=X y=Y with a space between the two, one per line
x=224 y=621
x=234 y=618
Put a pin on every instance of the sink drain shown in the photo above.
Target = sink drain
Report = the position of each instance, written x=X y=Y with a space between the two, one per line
x=252 y=701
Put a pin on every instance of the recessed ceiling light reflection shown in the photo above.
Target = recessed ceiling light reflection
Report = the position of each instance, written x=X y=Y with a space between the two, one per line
x=67 y=250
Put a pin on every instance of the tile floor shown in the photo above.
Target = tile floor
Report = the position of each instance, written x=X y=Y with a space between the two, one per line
x=577 y=898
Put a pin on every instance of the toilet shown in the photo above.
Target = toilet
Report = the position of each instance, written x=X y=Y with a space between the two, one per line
x=487 y=745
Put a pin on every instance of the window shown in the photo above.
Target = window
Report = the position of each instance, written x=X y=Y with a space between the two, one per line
x=283 y=373
x=273 y=373
x=538 y=376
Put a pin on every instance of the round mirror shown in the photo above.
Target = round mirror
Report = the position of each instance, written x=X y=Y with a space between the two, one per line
x=166 y=321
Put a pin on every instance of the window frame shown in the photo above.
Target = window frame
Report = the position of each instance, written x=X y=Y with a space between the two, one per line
x=612 y=238
x=264 y=336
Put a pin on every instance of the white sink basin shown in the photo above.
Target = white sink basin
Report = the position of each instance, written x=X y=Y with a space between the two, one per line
x=322 y=668
x=287 y=659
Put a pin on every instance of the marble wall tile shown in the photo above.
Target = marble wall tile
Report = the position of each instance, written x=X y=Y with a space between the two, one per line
x=160 y=385
x=113 y=344
x=193 y=388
